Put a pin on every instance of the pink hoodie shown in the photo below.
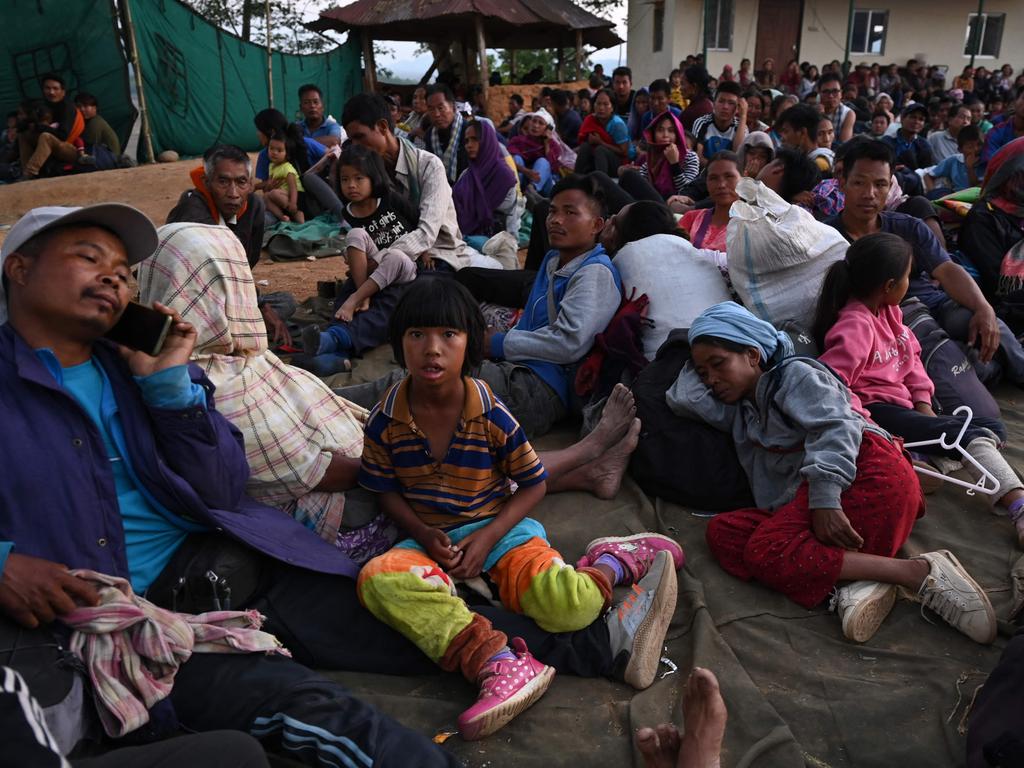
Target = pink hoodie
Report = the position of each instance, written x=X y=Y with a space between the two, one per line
x=878 y=356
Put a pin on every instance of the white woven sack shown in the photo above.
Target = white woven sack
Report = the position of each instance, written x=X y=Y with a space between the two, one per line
x=778 y=255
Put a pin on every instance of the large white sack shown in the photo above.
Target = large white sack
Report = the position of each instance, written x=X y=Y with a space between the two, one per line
x=681 y=282
x=778 y=255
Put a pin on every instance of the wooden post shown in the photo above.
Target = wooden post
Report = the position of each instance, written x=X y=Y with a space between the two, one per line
x=481 y=44
x=426 y=77
x=147 y=137
x=467 y=67
x=579 y=53
x=561 y=63
x=368 y=61
x=270 y=61
x=512 y=65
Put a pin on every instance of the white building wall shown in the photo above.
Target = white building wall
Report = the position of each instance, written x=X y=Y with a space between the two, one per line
x=648 y=65
x=935 y=28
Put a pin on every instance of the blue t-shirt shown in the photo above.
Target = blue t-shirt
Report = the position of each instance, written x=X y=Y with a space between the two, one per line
x=616 y=128
x=329 y=127
x=314 y=151
x=152 y=533
x=928 y=253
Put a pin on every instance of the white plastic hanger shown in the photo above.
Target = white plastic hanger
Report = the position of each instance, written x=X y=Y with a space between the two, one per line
x=982 y=484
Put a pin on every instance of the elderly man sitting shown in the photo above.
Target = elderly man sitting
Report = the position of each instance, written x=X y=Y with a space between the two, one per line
x=223 y=194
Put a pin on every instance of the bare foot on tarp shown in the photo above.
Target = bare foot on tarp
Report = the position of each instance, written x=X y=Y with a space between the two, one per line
x=616 y=419
x=604 y=475
x=704 y=717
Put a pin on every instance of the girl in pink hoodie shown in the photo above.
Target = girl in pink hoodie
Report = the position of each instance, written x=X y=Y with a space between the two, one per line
x=860 y=327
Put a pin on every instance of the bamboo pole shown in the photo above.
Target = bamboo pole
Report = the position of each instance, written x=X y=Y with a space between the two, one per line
x=579 y=53
x=560 y=77
x=512 y=65
x=147 y=138
x=368 y=60
x=270 y=61
x=481 y=44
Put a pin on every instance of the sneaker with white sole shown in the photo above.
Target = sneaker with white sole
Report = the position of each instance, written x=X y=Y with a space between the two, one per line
x=637 y=625
x=507 y=687
x=862 y=607
x=951 y=592
x=636 y=552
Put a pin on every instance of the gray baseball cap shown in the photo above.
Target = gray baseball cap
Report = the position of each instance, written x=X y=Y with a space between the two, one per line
x=130 y=224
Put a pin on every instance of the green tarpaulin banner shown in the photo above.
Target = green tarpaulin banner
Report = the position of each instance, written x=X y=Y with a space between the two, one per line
x=204 y=85
x=79 y=40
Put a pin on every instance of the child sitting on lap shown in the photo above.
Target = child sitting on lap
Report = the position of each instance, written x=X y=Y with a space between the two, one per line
x=284 y=200
x=837 y=496
x=379 y=215
x=454 y=469
x=860 y=328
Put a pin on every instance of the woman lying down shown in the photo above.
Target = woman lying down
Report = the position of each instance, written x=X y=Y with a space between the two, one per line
x=837 y=496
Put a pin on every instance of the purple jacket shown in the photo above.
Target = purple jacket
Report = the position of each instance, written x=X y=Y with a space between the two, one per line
x=57 y=496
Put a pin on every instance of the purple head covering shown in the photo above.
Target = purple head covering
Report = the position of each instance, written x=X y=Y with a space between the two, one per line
x=484 y=185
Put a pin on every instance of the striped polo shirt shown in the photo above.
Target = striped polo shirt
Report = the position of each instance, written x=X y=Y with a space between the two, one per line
x=488 y=450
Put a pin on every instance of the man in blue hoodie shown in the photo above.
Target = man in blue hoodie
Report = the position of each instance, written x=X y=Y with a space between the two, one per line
x=117 y=461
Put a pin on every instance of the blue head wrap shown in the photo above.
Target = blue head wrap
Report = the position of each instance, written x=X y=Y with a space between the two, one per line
x=733 y=322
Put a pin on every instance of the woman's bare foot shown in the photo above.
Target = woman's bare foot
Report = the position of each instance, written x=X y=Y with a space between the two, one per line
x=616 y=418
x=704 y=717
x=606 y=472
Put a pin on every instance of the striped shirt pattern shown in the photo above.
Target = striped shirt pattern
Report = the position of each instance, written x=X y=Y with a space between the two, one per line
x=488 y=450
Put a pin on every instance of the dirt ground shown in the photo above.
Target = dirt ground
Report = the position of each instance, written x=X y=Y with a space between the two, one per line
x=153 y=189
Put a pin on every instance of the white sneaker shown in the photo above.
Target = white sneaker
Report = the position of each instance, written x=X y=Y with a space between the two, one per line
x=862 y=606
x=951 y=592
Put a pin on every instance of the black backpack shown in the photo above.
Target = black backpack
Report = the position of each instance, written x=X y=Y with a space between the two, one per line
x=678 y=459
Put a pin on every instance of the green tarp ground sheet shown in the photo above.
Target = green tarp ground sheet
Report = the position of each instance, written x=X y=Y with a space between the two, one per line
x=798 y=693
x=203 y=85
x=79 y=40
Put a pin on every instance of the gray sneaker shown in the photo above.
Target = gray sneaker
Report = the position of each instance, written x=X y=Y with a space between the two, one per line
x=951 y=592
x=862 y=606
x=637 y=625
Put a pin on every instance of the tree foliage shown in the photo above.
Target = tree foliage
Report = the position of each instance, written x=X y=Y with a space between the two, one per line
x=248 y=20
x=546 y=59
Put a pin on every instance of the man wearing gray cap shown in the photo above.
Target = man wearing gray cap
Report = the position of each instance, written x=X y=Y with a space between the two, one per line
x=116 y=461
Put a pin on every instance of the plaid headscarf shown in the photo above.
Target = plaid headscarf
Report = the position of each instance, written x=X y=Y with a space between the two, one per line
x=291 y=421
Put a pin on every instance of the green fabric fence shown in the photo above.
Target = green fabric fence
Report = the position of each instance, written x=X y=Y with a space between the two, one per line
x=204 y=85
x=79 y=40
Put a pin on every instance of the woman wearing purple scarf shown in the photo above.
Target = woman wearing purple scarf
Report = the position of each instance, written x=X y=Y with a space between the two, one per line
x=486 y=195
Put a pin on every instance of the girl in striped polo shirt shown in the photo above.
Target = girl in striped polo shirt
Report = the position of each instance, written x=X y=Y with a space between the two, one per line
x=455 y=470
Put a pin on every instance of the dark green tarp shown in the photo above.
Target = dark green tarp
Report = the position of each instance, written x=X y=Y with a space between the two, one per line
x=79 y=40
x=203 y=85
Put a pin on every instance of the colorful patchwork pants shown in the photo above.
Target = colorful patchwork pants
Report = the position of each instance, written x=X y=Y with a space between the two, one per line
x=410 y=592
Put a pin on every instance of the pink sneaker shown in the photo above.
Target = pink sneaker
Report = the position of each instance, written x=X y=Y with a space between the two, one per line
x=635 y=552
x=506 y=689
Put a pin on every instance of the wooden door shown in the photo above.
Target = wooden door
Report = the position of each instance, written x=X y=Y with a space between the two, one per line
x=778 y=32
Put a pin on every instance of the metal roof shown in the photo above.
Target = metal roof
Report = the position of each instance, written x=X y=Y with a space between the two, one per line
x=507 y=23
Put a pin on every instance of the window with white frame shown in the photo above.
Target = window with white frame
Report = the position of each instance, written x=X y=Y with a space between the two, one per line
x=659 y=27
x=984 y=40
x=718 y=25
x=868 y=33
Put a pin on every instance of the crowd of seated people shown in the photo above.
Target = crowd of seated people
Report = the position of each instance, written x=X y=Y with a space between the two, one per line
x=348 y=516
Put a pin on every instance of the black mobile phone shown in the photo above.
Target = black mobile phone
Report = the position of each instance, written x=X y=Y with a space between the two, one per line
x=141 y=328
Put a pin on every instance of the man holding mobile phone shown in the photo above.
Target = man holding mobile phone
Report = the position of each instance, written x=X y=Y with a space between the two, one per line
x=115 y=460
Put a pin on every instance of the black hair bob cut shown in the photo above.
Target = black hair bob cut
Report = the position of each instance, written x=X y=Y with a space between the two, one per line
x=439 y=302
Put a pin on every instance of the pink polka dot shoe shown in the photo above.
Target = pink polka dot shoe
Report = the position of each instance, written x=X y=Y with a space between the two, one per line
x=636 y=553
x=507 y=687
